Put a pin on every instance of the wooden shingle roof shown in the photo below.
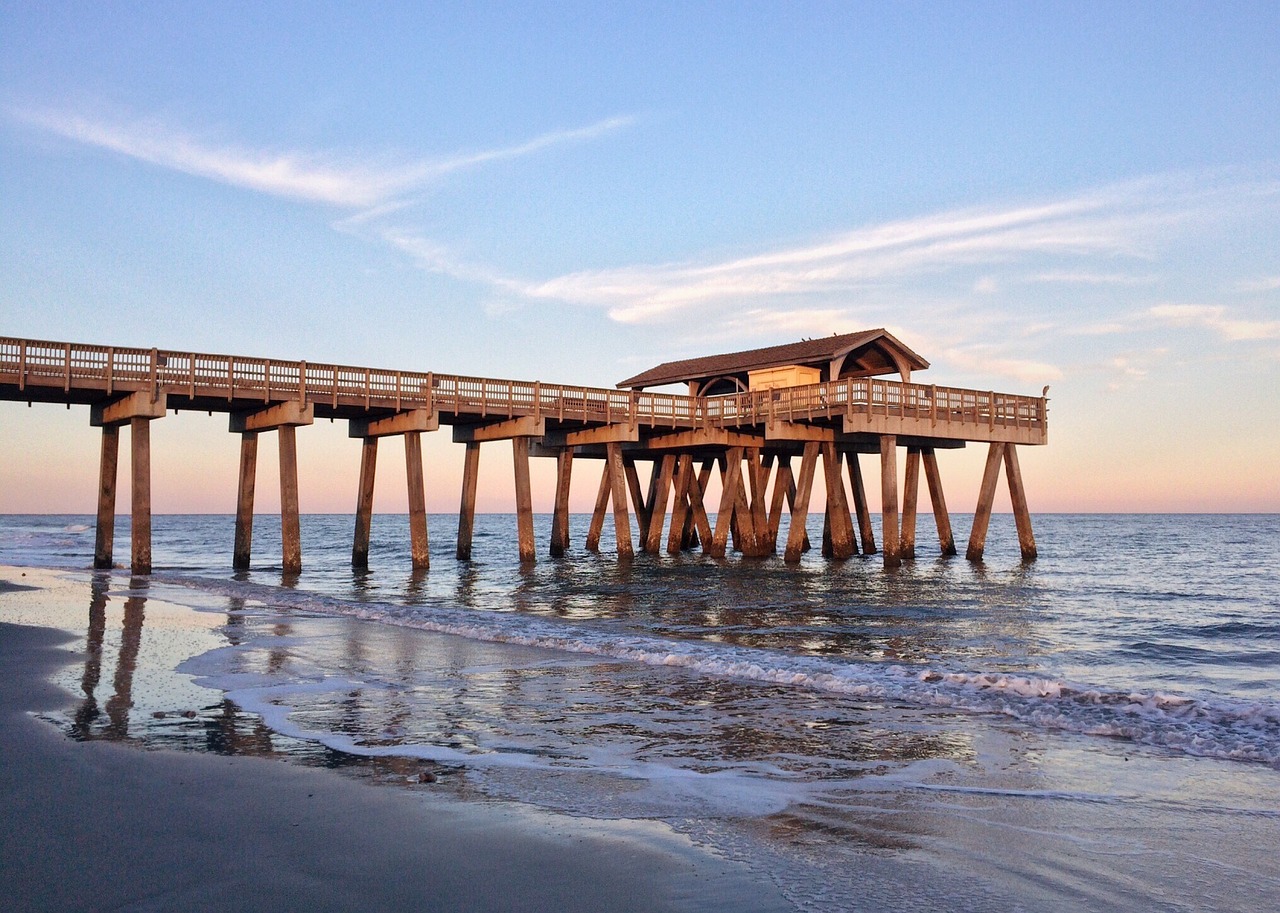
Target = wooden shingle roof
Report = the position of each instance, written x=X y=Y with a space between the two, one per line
x=820 y=352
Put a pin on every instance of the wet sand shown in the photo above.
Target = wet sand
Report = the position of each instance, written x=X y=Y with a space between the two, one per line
x=98 y=826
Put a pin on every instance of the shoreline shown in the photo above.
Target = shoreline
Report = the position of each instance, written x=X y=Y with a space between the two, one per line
x=98 y=825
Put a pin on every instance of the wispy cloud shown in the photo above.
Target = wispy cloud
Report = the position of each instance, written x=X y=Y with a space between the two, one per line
x=372 y=187
x=1216 y=318
x=1069 y=277
x=990 y=360
x=1121 y=221
x=1263 y=284
x=854 y=259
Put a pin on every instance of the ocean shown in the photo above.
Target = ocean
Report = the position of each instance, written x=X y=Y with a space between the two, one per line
x=1099 y=729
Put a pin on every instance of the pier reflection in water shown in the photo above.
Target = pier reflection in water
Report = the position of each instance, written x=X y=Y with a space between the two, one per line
x=407 y=706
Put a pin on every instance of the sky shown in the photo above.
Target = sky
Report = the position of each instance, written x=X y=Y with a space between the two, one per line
x=1082 y=195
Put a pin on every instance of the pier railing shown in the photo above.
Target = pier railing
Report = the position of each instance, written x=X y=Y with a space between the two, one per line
x=240 y=381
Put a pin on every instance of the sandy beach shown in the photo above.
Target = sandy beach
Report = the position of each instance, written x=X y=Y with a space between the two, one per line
x=100 y=826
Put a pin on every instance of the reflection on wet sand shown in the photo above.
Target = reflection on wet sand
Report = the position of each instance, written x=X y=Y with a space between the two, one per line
x=396 y=688
x=219 y=727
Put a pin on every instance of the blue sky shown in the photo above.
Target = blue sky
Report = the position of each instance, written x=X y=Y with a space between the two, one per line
x=1084 y=195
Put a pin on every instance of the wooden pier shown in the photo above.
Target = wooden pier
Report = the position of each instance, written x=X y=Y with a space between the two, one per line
x=749 y=417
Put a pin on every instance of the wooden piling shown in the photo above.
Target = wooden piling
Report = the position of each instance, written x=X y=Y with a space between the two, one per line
x=596 y=526
x=889 y=500
x=108 y=471
x=243 y=548
x=746 y=534
x=621 y=519
x=791 y=505
x=680 y=510
x=419 y=543
x=658 y=503
x=290 y=531
x=364 y=503
x=140 y=460
x=757 y=508
x=730 y=481
x=865 y=528
x=698 y=507
x=467 y=508
x=796 y=536
x=910 y=495
x=560 y=512
x=986 y=496
x=841 y=522
x=941 y=518
x=1018 y=495
x=639 y=501
x=781 y=481
x=524 y=500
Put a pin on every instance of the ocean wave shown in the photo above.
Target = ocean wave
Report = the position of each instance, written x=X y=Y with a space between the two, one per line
x=1205 y=726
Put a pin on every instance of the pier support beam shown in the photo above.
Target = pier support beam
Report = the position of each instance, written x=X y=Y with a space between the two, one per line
x=524 y=500
x=140 y=463
x=244 y=500
x=618 y=491
x=419 y=543
x=467 y=509
x=986 y=496
x=839 y=521
x=941 y=518
x=409 y=424
x=730 y=482
x=910 y=495
x=560 y=514
x=640 y=501
x=680 y=508
x=759 y=542
x=781 y=482
x=889 y=499
x=290 y=527
x=108 y=471
x=797 y=536
x=364 y=503
x=860 y=504
x=284 y=419
x=1018 y=496
x=663 y=474
x=137 y=410
x=597 y=514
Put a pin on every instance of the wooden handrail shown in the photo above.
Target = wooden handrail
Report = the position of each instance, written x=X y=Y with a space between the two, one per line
x=47 y=363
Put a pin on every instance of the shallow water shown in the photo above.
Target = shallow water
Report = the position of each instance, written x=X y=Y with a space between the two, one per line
x=1066 y=734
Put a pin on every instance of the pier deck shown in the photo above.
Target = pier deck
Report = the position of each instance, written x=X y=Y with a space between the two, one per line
x=765 y=428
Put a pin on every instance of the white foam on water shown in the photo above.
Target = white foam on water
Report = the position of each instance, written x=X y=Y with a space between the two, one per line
x=1207 y=726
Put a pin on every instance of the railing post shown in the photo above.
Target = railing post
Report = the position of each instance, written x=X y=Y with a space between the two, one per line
x=111 y=364
x=22 y=365
x=302 y=382
x=431 y=384
x=155 y=367
x=66 y=384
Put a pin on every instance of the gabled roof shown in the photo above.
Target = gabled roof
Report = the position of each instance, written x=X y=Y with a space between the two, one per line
x=820 y=352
